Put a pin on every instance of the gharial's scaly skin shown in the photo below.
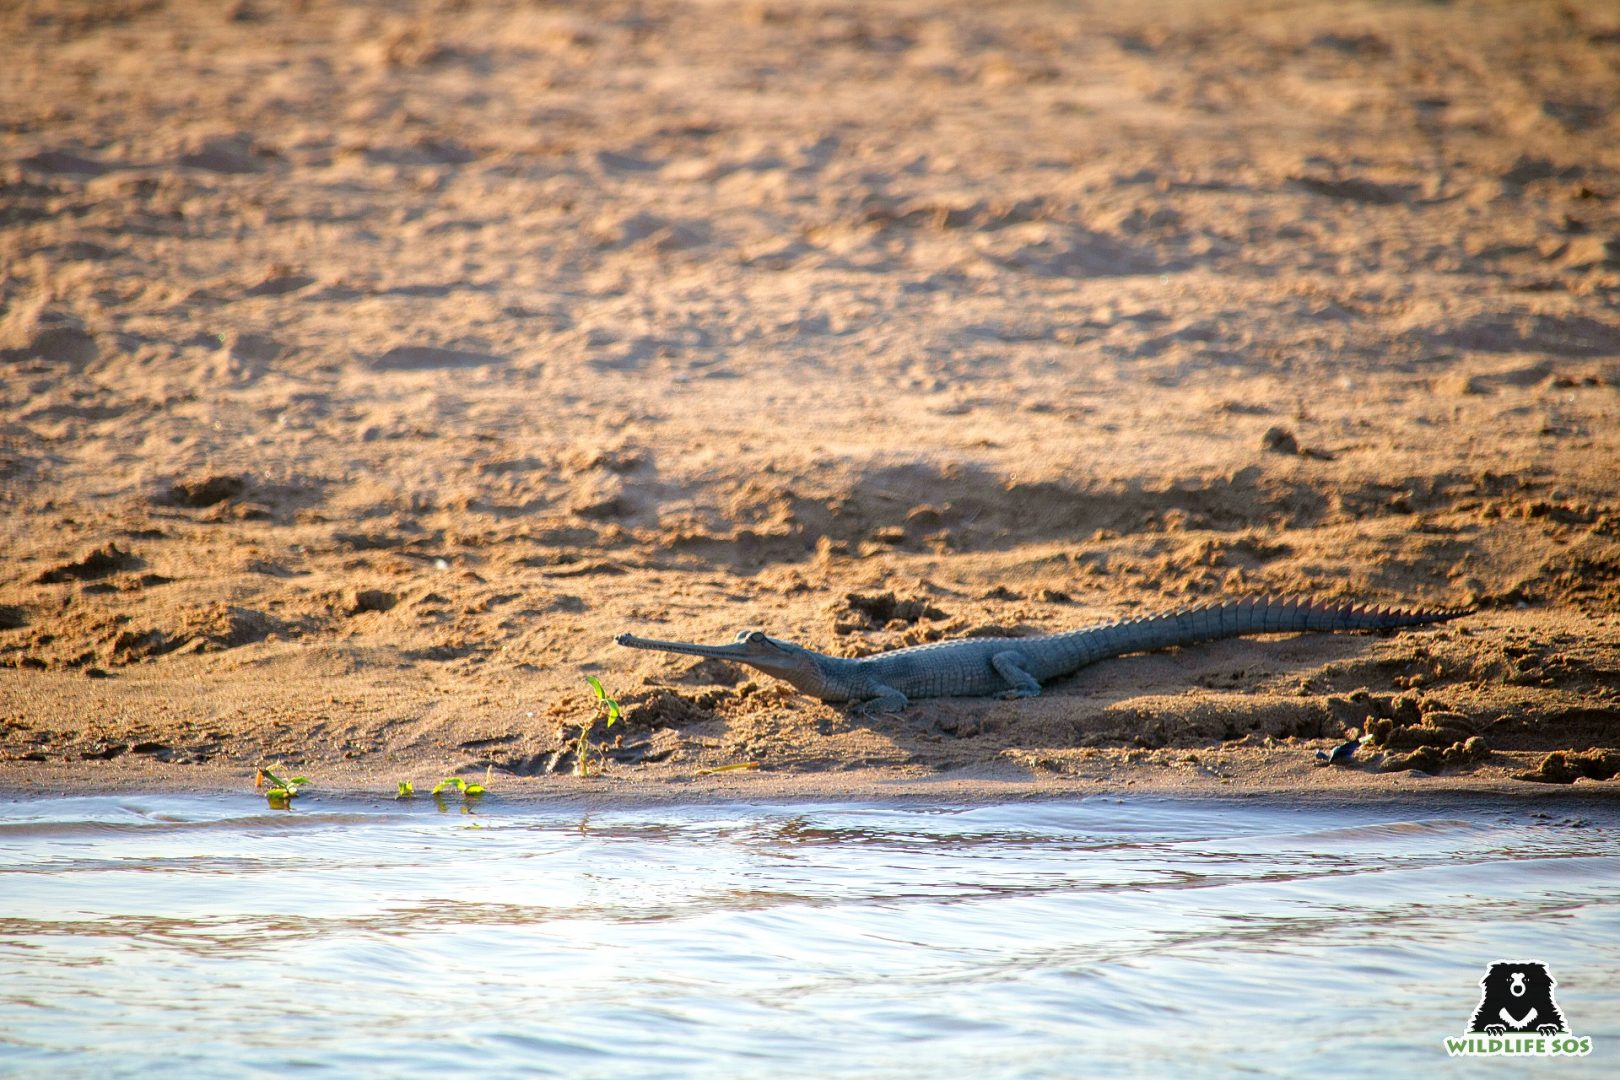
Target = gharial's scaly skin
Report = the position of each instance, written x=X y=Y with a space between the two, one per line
x=1016 y=667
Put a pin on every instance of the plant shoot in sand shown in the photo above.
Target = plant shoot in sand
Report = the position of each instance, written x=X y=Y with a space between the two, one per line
x=280 y=792
x=605 y=706
x=470 y=789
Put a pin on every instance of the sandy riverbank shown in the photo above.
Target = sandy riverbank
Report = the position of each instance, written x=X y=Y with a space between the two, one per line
x=365 y=368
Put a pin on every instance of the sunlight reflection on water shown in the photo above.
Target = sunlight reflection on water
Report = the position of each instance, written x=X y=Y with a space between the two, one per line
x=1103 y=936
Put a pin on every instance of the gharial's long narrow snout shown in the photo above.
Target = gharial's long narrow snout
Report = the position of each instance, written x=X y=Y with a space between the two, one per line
x=736 y=650
x=756 y=649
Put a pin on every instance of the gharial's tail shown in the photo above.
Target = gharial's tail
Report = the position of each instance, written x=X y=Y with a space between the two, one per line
x=1250 y=615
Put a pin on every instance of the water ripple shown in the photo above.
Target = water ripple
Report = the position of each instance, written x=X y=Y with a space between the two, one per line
x=1097 y=937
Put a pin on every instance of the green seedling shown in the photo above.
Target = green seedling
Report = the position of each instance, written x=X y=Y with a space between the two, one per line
x=468 y=789
x=471 y=791
x=405 y=790
x=280 y=792
x=605 y=706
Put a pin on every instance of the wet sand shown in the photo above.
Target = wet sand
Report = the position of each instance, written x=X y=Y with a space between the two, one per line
x=364 y=369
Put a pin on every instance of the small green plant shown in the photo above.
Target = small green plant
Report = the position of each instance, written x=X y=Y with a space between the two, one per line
x=605 y=706
x=405 y=790
x=470 y=789
x=280 y=792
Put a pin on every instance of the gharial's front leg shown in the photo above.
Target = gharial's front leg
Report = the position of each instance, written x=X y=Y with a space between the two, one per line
x=884 y=699
x=1010 y=666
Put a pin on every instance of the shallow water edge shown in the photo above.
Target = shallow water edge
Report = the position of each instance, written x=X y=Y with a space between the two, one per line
x=1043 y=937
x=1305 y=784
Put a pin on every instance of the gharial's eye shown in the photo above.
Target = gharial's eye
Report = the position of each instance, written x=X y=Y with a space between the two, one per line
x=756 y=637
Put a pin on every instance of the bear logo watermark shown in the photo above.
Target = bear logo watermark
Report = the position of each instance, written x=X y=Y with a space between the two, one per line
x=1517 y=1016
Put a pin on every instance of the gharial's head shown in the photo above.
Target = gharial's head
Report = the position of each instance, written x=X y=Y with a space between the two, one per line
x=752 y=647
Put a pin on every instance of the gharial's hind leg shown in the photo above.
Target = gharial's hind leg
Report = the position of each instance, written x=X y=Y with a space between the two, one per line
x=1009 y=665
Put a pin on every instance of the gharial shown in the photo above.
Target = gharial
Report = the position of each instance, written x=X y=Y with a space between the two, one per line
x=1016 y=667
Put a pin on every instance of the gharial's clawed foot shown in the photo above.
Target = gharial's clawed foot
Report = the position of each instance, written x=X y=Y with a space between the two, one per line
x=888 y=705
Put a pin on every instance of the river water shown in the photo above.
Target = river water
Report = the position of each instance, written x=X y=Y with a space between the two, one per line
x=208 y=936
